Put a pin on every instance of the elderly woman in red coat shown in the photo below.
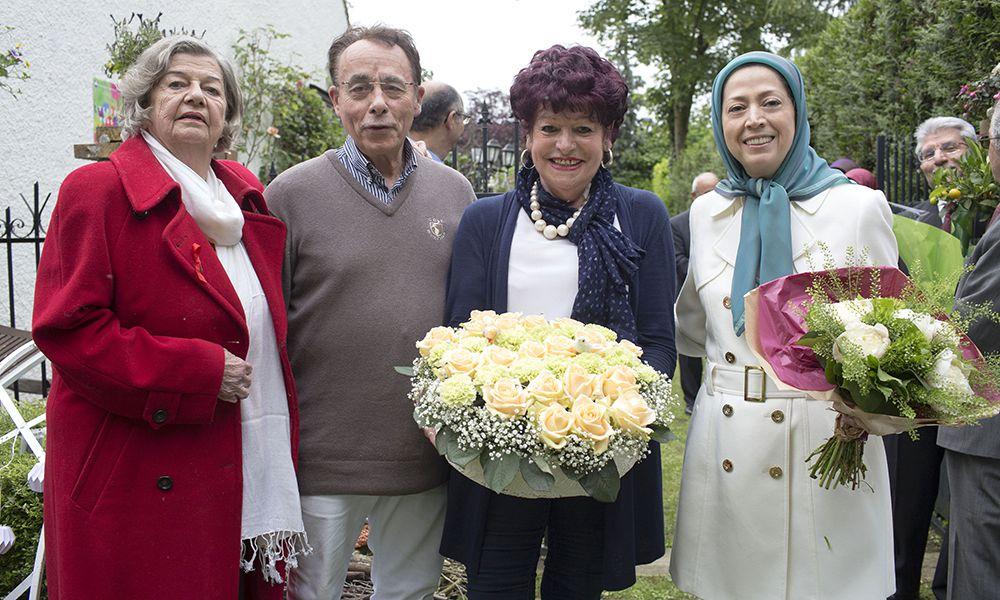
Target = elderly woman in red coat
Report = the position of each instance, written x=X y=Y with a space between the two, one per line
x=172 y=420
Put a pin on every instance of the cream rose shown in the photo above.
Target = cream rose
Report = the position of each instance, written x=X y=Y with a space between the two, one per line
x=949 y=373
x=534 y=321
x=590 y=420
x=578 y=382
x=554 y=424
x=630 y=347
x=850 y=312
x=546 y=389
x=532 y=349
x=460 y=360
x=560 y=345
x=506 y=398
x=616 y=381
x=498 y=355
x=928 y=325
x=482 y=322
x=631 y=413
x=508 y=320
x=872 y=340
x=434 y=337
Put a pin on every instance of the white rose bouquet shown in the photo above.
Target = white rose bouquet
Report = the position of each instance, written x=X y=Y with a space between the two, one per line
x=533 y=408
x=866 y=339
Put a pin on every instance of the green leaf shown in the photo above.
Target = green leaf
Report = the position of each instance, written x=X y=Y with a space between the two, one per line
x=534 y=476
x=603 y=485
x=459 y=456
x=408 y=371
x=662 y=434
x=542 y=463
x=500 y=472
x=810 y=339
x=441 y=441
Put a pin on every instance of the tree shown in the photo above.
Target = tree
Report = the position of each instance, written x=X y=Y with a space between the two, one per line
x=689 y=41
x=884 y=67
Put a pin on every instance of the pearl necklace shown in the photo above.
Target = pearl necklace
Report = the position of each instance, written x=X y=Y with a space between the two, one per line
x=551 y=231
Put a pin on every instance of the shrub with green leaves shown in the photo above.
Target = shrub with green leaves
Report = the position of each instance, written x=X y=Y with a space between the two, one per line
x=129 y=43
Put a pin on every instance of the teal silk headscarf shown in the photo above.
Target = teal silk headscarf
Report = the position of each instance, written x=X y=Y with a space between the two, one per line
x=765 y=250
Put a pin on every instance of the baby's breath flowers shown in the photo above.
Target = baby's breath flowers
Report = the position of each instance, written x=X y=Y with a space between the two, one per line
x=526 y=406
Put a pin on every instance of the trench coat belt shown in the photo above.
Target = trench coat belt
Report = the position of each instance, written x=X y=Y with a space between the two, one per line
x=730 y=380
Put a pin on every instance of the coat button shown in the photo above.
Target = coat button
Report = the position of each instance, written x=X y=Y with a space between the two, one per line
x=777 y=416
x=727 y=410
x=727 y=465
x=140 y=215
x=165 y=483
x=775 y=472
x=730 y=357
x=160 y=416
x=727 y=303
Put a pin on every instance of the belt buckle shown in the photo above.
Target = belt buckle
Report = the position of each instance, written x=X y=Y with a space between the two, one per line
x=746 y=384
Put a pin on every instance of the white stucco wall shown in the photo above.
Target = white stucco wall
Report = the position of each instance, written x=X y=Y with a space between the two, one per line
x=65 y=42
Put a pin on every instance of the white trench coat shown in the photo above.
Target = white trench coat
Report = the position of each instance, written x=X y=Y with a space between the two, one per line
x=751 y=523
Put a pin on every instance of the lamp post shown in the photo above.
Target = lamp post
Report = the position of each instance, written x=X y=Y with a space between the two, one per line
x=507 y=156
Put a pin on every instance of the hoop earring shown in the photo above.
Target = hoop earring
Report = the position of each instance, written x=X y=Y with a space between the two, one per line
x=525 y=159
x=610 y=161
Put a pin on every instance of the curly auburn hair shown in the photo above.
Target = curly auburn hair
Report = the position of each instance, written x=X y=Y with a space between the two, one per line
x=576 y=79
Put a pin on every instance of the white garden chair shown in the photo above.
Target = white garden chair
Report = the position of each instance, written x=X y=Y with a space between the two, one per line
x=18 y=362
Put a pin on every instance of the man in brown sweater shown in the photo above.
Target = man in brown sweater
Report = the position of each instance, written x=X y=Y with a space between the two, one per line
x=370 y=229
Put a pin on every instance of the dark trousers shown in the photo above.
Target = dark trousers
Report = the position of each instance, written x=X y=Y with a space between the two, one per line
x=974 y=527
x=914 y=470
x=690 y=367
x=514 y=530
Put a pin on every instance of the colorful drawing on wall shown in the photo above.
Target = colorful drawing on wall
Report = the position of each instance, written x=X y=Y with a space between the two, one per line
x=107 y=105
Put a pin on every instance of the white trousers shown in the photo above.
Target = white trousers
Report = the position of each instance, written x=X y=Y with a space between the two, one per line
x=404 y=535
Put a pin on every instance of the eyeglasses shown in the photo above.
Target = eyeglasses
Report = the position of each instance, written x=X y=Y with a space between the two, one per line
x=949 y=149
x=466 y=117
x=359 y=89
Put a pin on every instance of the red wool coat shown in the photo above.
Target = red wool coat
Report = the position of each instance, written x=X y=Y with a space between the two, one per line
x=143 y=473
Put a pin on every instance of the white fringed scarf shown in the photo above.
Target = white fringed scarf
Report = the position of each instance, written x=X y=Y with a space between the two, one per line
x=272 y=529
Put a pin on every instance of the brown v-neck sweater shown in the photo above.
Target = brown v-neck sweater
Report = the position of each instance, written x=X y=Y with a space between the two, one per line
x=363 y=281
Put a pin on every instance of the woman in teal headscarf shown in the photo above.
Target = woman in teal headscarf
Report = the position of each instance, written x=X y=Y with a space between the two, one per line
x=751 y=523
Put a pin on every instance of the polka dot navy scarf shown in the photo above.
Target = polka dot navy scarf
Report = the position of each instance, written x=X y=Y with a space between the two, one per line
x=608 y=259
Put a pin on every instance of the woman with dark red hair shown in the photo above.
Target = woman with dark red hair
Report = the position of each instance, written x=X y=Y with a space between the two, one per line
x=567 y=241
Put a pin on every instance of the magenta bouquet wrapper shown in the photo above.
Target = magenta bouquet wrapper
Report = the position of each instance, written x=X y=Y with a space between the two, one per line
x=775 y=321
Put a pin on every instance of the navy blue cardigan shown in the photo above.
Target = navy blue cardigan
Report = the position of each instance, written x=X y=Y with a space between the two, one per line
x=478 y=280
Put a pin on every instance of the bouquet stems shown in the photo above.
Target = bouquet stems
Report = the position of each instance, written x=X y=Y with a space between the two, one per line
x=841 y=458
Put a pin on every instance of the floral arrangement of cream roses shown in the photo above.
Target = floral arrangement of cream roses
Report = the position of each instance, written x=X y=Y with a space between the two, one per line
x=526 y=406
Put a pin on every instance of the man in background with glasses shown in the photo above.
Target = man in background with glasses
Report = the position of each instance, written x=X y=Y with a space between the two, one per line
x=441 y=121
x=940 y=142
x=370 y=230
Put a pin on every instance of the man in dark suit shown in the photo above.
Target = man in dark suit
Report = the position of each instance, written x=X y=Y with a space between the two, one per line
x=972 y=454
x=690 y=366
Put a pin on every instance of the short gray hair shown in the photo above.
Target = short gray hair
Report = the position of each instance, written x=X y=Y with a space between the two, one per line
x=935 y=124
x=152 y=64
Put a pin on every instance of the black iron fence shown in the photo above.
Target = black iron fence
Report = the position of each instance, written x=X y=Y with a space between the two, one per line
x=897 y=170
x=22 y=239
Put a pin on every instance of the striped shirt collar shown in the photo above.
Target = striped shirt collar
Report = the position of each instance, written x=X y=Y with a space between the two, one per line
x=369 y=176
